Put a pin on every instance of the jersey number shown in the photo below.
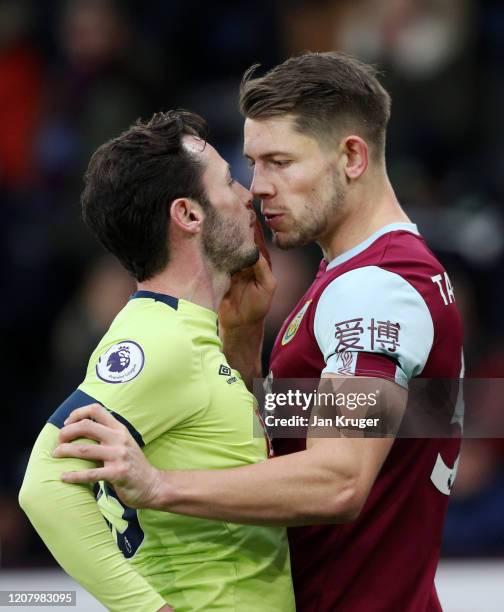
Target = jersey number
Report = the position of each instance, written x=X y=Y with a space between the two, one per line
x=442 y=476
x=127 y=530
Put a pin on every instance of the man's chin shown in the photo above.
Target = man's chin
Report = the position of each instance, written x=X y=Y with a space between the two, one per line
x=253 y=256
x=247 y=260
x=289 y=241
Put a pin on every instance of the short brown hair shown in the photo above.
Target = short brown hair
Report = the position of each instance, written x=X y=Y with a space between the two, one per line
x=323 y=91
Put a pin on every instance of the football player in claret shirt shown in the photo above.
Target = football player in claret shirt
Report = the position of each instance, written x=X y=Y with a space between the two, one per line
x=365 y=514
x=162 y=199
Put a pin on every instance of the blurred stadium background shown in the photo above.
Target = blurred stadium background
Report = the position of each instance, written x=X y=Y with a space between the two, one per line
x=74 y=73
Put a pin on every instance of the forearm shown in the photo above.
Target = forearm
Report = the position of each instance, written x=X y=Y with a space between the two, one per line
x=328 y=482
x=242 y=347
x=297 y=489
x=68 y=520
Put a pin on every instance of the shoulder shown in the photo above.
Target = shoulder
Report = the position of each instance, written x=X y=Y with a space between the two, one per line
x=370 y=287
x=375 y=310
x=396 y=268
x=141 y=370
x=143 y=344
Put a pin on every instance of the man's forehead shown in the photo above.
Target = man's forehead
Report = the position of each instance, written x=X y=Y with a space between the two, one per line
x=269 y=126
x=206 y=154
x=275 y=133
x=195 y=145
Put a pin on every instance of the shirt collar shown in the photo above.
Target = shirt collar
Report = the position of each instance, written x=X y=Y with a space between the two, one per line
x=392 y=227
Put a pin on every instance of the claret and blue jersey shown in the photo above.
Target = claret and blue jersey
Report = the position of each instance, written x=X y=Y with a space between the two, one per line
x=384 y=309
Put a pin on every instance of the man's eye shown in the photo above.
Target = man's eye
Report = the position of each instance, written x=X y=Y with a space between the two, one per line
x=250 y=163
x=280 y=163
x=231 y=181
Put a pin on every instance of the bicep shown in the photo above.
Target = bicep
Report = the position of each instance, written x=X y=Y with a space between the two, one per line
x=357 y=460
x=360 y=434
x=369 y=312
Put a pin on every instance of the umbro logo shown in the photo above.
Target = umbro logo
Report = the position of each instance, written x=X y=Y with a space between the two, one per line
x=225 y=370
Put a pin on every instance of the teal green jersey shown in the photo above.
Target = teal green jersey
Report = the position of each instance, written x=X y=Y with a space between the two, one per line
x=161 y=371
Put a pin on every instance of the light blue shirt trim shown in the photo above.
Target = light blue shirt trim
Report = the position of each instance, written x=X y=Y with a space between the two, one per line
x=392 y=227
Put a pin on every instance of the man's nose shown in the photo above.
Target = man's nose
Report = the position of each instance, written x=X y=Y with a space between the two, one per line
x=261 y=186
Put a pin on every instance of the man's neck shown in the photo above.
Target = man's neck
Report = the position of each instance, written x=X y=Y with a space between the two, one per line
x=367 y=215
x=190 y=279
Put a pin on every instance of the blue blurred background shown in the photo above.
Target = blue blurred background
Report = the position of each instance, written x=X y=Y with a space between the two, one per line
x=75 y=73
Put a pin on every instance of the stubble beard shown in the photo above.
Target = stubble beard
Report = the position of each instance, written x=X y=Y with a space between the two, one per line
x=317 y=221
x=224 y=243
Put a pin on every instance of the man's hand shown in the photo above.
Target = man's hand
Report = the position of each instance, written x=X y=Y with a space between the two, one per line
x=134 y=479
x=242 y=313
x=249 y=297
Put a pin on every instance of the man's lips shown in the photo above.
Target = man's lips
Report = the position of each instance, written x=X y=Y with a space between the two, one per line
x=273 y=219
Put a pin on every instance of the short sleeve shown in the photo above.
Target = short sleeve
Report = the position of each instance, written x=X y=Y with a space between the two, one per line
x=371 y=321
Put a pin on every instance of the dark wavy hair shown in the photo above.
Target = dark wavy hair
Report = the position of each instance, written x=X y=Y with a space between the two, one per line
x=131 y=181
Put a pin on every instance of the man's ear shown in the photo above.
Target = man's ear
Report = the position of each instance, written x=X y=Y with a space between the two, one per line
x=187 y=215
x=355 y=156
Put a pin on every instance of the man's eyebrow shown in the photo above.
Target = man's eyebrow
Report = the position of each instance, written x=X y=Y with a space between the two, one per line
x=269 y=154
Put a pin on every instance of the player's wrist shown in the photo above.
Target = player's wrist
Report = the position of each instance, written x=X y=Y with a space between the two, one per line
x=247 y=337
x=162 y=491
x=242 y=347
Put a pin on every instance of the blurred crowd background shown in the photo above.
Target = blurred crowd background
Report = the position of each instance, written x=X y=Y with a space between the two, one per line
x=75 y=73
